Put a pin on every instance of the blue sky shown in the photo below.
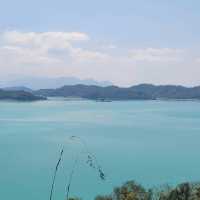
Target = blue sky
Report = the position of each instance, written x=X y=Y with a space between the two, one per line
x=152 y=40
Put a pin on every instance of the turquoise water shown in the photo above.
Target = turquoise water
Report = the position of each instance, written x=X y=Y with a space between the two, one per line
x=152 y=142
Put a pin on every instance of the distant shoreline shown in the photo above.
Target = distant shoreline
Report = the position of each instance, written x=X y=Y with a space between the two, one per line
x=113 y=93
x=98 y=101
x=106 y=94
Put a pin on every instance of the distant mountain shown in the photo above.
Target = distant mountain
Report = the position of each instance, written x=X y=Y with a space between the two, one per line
x=138 y=92
x=36 y=83
x=20 y=88
x=19 y=96
x=168 y=91
x=94 y=92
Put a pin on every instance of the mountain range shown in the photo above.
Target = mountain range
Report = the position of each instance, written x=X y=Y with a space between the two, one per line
x=36 y=83
x=142 y=92
x=94 y=92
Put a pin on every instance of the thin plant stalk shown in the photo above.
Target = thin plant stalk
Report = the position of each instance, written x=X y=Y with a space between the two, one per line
x=91 y=160
x=71 y=177
x=55 y=173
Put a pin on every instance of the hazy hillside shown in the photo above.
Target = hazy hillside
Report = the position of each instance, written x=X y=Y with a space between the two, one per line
x=140 y=92
x=143 y=91
x=19 y=96
x=36 y=83
x=94 y=92
x=18 y=88
x=168 y=91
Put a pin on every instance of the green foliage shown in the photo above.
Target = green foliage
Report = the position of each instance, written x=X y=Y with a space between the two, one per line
x=198 y=193
x=74 y=198
x=133 y=191
x=128 y=191
x=106 y=197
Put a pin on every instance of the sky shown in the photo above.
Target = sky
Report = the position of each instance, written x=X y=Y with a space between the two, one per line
x=126 y=42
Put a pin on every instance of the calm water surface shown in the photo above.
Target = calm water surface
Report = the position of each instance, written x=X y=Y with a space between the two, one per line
x=152 y=142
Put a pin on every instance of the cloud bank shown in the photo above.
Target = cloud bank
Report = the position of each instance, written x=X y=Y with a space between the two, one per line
x=70 y=54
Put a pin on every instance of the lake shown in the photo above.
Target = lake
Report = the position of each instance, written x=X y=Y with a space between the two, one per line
x=151 y=142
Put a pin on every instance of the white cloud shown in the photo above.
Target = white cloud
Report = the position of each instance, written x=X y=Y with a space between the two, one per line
x=197 y=60
x=40 y=39
x=156 y=54
x=74 y=54
x=12 y=55
x=46 y=48
x=34 y=48
x=83 y=55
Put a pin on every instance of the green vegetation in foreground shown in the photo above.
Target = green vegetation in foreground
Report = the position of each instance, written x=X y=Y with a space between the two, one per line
x=19 y=96
x=133 y=191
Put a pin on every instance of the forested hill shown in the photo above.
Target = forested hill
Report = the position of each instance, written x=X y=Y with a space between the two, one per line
x=19 y=96
x=138 y=92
